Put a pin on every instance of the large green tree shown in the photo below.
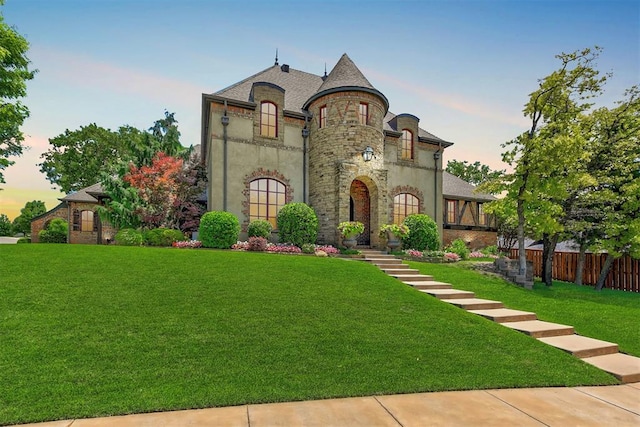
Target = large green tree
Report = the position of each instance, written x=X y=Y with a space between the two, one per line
x=548 y=159
x=14 y=74
x=6 y=229
x=474 y=173
x=22 y=223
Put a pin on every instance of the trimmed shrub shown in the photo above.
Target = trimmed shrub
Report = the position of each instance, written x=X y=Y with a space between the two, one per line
x=162 y=237
x=490 y=250
x=24 y=240
x=259 y=228
x=218 y=230
x=128 y=237
x=297 y=224
x=308 y=248
x=257 y=244
x=423 y=233
x=459 y=247
x=56 y=232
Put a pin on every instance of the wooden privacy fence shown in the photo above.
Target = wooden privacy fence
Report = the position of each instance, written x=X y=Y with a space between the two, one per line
x=624 y=274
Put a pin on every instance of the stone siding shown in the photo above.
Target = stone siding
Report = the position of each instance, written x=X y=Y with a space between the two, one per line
x=42 y=221
x=475 y=239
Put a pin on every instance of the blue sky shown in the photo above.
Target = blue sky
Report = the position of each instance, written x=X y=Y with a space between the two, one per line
x=465 y=68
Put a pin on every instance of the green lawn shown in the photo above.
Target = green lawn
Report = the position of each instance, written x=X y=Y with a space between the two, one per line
x=99 y=330
x=608 y=315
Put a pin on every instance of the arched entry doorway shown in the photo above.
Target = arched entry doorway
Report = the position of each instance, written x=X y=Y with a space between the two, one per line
x=360 y=209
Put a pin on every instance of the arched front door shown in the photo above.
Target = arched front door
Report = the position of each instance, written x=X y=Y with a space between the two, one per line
x=360 y=210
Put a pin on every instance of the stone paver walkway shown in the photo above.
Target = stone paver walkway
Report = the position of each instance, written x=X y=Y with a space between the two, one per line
x=579 y=406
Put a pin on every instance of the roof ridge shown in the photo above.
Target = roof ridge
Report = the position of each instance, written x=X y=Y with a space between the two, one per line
x=244 y=80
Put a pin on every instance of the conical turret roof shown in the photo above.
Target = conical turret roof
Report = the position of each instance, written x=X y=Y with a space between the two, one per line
x=345 y=76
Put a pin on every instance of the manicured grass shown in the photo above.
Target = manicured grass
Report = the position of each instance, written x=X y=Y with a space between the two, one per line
x=609 y=315
x=99 y=330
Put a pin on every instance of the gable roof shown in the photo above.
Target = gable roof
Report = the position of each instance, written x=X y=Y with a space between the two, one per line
x=87 y=194
x=457 y=188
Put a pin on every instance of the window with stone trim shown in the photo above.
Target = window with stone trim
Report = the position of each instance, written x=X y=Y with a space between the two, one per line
x=452 y=211
x=85 y=220
x=406 y=145
x=266 y=197
x=268 y=119
x=322 y=119
x=404 y=204
x=363 y=113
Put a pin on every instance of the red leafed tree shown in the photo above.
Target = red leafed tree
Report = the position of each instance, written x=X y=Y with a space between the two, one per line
x=158 y=189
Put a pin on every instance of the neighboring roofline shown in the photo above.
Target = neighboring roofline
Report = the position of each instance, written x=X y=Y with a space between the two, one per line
x=470 y=199
x=376 y=92
x=437 y=141
x=60 y=205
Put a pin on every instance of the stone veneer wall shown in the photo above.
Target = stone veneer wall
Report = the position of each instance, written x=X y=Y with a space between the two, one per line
x=335 y=160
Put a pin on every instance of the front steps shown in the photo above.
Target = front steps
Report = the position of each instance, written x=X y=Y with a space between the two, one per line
x=601 y=354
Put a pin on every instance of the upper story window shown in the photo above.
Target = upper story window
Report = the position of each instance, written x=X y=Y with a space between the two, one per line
x=406 y=144
x=266 y=197
x=482 y=217
x=85 y=221
x=404 y=204
x=269 y=119
x=323 y=117
x=363 y=113
x=452 y=211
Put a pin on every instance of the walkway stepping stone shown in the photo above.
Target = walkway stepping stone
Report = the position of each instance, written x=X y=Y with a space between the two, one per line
x=622 y=366
x=540 y=329
x=474 y=303
x=580 y=346
x=429 y=284
x=383 y=260
x=449 y=293
x=391 y=267
x=502 y=315
x=392 y=271
x=412 y=277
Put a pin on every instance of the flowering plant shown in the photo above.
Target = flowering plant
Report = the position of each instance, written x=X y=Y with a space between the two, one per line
x=476 y=254
x=414 y=253
x=451 y=257
x=400 y=230
x=350 y=228
x=327 y=249
x=286 y=249
x=187 y=244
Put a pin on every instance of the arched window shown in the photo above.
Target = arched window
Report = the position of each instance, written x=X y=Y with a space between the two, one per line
x=406 y=145
x=323 y=117
x=404 y=204
x=84 y=221
x=363 y=113
x=269 y=119
x=266 y=197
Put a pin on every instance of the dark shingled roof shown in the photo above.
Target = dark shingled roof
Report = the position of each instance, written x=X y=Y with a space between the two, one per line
x=85 y=194
x=298 y=86
x=457 y=188
x=302 y=88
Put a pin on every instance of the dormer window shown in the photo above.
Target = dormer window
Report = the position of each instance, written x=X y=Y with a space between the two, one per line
x=363 y=113
x=268 y=119
x=322 y=117
x=406 y=145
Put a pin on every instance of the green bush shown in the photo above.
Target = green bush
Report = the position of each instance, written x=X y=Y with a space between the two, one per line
x=257 y=244
x=6 y=229
x=56 y=232
x=259 y=228
x=218 y=230
x=423 y=233
x=297 y=224
x=308 y=248
x=459 y=247
x=128 y=237
x=162 y=237
x=490 y=250
x=24 y=240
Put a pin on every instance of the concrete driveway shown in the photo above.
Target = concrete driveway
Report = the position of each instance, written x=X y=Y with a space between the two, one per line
x=8 y=240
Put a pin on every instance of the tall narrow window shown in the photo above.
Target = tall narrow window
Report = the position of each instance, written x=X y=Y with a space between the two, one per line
x=452 y=211
x=363 y=113
x=86 y=221
x=482 y=218
x=406 y=147
x=266 y=197
x=268 y=119
x=404 y=204
x=323 y=117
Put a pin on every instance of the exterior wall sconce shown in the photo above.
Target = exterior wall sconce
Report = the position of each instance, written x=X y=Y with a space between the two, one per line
x=367 y=154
